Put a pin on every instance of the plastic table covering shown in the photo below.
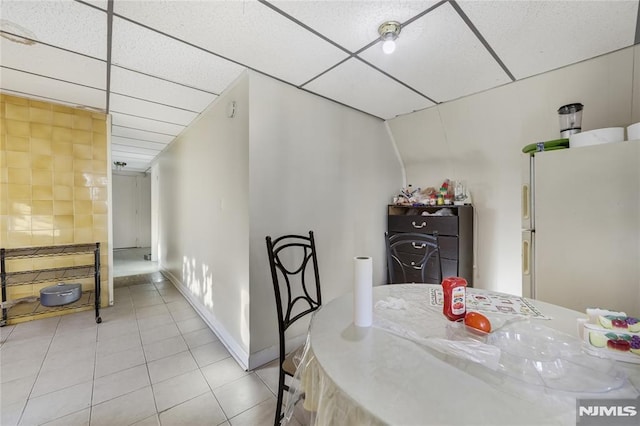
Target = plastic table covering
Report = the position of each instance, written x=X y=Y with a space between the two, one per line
x=375 y=375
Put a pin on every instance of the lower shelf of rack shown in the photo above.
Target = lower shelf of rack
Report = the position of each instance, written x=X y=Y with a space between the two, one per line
x=28 y=311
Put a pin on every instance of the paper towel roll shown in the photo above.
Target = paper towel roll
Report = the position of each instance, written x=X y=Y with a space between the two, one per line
x=363 y=291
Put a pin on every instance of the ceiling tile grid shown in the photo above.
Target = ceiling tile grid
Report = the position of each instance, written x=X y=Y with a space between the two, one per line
x=440 y=57
x=135 y=84
x=51 y=62
x=167 y=60
x=352 y=24
x=154 y=111
x=243 y=31
x=52 y=90
x=360 y=86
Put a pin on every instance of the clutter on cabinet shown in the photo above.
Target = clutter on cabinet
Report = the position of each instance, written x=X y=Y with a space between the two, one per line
x=449 y=193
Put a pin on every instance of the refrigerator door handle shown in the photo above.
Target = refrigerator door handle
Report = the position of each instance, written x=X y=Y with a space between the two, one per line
x=526 y=211
x=526 y=257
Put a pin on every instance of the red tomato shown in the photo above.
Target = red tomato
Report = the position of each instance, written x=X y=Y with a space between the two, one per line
x=478 y=321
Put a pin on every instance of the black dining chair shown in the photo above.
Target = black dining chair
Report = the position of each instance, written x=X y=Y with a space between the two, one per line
x=413 y=258
x=296 y=285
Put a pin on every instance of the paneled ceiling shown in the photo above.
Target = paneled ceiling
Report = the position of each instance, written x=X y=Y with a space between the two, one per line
x=155 y=65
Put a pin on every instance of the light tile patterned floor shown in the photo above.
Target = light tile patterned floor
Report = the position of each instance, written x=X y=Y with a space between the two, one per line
x=152 y=361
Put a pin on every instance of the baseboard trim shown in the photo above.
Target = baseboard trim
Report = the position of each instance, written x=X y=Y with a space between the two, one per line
x=236 y=351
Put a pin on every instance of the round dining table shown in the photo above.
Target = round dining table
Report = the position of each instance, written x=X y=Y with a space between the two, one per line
x=385 y=374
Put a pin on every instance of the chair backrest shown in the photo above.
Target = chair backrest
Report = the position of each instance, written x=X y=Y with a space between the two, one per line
x=413 y=258
x=296 y=283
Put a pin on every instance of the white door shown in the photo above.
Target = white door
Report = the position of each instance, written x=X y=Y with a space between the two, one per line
x=125 y=222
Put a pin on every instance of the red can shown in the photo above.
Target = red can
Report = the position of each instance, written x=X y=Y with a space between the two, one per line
x=455 y=298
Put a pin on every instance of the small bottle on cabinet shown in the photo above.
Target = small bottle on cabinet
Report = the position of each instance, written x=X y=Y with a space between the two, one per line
x=454 y=290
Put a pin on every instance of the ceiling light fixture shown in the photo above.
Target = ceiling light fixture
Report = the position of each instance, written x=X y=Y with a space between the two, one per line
x=119 y=165
x=389 y=32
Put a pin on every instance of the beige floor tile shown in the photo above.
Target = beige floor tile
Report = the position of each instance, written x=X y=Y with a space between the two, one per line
x=155 y=321
x=16 y=390
x=269 y=375
x=56 y=379
x=191 y=324
x=20 y=350
x=10 y=413
x=242 y=394
x=119 y=343
x=57 y=404
x=210 y=353
x=115 y=329
x=149 y=311
x=199 y=337
x=201 y=410
x=171 y=366
x=119 y=361
x=161 y=332
x=74 y=341
x=10 y=371
x=164 y=348
x=79 y=418
x=261 y=415
x=124 y=410
x=60 y=359
x=120 y=383
x=149 y=421
x=179 y=389
x=223 y=372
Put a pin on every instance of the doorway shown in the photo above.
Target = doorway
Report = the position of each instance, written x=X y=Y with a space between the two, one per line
x=132 y=224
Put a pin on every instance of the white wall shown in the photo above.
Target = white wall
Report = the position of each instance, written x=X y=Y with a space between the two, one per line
x=479 y=139
x=131 y=210
x=314 y=165
x=204 y=216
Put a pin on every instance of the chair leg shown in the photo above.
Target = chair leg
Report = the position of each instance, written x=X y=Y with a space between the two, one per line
x=281 y=386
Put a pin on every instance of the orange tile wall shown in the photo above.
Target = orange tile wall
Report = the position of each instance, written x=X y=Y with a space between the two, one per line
x=53 y=183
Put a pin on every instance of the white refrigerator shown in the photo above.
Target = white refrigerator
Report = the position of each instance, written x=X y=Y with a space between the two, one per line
x=581 y=227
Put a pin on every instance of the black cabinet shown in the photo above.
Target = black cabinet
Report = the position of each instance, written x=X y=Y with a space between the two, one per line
x=455 y=234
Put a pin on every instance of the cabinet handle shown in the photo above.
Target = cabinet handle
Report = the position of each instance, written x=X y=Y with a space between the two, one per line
x=418 y=246
x=422 y=225
x=414 y=266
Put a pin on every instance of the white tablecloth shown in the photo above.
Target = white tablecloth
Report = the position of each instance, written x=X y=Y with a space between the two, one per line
x=371 y=376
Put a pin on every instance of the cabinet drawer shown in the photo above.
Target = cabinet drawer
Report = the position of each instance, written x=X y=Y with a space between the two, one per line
x=449 y=269
x=448 y=247
x=443 y=225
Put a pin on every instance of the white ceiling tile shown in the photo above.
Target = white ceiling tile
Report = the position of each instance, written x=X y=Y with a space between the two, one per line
x=360 y=86
x=67 y=24
x=53 y=90
x=142 y=135
x=153 y=146
x=147 y=51
x=56 y=63
x=439 y=56
x=244 y=31
x=142 y=86
x=145 y=124
x=132 y=106
x=532 y=37
x=352 y=24
x=133 y=149
x=131 y=155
